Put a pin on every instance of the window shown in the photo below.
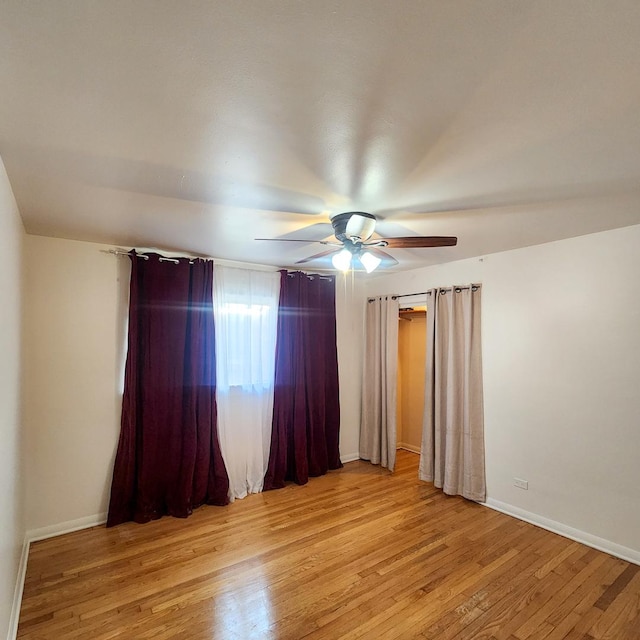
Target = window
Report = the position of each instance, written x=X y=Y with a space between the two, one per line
x=246 y=316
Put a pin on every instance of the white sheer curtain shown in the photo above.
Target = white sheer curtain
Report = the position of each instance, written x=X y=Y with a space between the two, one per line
x=379 y=388
x=245 y=305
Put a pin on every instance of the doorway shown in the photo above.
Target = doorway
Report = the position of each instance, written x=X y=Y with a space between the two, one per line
x=412 y=350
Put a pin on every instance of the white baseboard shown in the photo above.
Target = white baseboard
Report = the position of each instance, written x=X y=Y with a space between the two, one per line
x=350 y=457
x=612 y=548
x=17 y=593
x=33 y=535
x=408 y=447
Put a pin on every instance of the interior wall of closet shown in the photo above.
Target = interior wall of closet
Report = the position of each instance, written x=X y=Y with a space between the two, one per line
x=412 y=345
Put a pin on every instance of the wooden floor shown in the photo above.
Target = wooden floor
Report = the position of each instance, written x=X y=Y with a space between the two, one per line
x=359 y=553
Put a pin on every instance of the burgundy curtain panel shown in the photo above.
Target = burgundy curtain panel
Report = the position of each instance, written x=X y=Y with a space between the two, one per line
x=306 y=407
x=168 y=459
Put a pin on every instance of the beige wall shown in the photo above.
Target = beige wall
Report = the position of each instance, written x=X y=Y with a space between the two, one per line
x=12 y=526
x=412 y=344
x=72 y=363
x=561 y=350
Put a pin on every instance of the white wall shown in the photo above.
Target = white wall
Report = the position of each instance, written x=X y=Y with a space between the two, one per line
x=561 y=360
x=72 y=375
x=75 y=327
x=12 y=527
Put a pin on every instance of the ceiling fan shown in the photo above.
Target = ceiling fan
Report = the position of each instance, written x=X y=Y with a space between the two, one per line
x=353 y=231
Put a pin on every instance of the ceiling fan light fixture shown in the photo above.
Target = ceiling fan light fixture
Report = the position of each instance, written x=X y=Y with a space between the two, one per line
x=342 y=260
x=353 y=231
x=369 y=261
x=360 y=226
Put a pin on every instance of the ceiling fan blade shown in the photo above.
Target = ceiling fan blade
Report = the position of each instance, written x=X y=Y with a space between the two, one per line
x=333 y=244
x=286 y=240
x=417 y=242
x=387 y=260
x=317 y=231
x=318 y=255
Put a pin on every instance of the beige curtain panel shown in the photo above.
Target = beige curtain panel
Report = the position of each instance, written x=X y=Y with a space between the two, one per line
x=379 y=388
x=452 y=452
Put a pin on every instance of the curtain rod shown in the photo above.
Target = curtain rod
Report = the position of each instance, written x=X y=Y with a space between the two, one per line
x=124 y=252
x=473 y=287
x=311 y=276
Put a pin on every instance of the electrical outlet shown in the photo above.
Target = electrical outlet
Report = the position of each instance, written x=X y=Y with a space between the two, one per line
x=521 y=484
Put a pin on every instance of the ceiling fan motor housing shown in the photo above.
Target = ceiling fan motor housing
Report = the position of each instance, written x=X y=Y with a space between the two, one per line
x=354 y=226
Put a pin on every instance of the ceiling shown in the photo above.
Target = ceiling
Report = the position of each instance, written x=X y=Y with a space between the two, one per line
x=199 y=126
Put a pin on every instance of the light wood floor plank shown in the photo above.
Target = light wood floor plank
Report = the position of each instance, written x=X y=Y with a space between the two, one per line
x=359 y=553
